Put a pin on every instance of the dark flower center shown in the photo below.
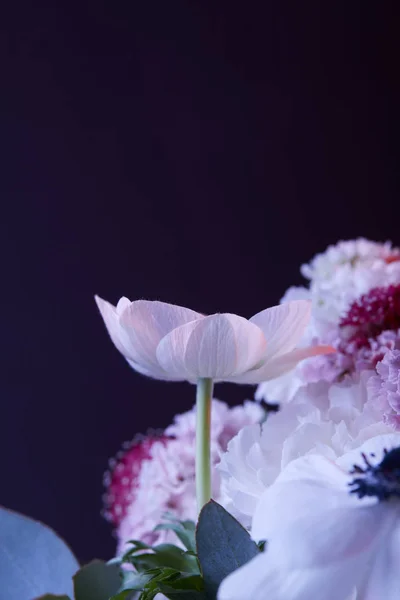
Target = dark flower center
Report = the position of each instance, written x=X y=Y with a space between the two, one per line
x=382 y=480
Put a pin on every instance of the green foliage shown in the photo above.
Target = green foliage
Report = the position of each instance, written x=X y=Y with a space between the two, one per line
x=184 y=530
x=163 y=555
x=96 y=581
x=218 y=546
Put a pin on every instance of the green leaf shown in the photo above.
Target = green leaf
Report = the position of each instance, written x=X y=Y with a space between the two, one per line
x=163 y=555
x=185 y=531
x=97 y=581
x=33 y=559
x=223 y=546
x=184 y=588
x=125 y=595
x=135 y=581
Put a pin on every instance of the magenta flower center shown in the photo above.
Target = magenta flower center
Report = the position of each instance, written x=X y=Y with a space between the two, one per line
x=121 y=481
x=370 y=315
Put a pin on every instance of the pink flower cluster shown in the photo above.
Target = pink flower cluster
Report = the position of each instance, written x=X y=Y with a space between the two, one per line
x=155 y=474
x=355 y=292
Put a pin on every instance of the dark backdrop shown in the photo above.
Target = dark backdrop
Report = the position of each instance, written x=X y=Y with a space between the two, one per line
x=192 y=152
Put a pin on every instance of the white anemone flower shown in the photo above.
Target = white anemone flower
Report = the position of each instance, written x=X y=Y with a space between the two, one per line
x=170 y=342
x=333 y=532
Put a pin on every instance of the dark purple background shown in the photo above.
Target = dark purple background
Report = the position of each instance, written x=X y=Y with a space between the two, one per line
x=185 y=151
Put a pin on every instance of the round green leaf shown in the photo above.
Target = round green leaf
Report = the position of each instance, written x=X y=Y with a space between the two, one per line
x=97 y=581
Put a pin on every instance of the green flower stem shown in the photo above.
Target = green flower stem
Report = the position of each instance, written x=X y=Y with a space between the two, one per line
x=203 y=427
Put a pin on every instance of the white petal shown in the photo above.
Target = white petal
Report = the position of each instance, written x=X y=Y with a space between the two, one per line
x=373 y=448
x=111 y=320
x=282 y=364
x=123 y=341
x=146 y=323
x=283 y=325
x=122 y=304
x=280 y=389
x=217 y=346
x=259 y=580
x=308 y=484
x=153 y=372
x=322 y=541
x=382 y=579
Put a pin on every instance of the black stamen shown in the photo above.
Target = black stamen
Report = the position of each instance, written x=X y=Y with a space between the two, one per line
x=382 y=480
x=269 y=407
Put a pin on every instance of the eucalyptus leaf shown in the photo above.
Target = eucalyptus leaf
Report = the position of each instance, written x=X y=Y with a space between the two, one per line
x=33 y=559
x=97 y=581
x=223 y=546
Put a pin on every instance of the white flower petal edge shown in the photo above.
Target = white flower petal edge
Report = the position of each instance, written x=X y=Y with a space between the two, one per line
x=277 y=366
x=323 y=542
x=146 y=323
x=175 y=343
x=283 y=325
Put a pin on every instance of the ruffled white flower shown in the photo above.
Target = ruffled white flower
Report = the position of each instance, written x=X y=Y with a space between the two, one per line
x=353 y=252
x=170 y=342
x=323 y=419
x=343 y=273
x=324 y=542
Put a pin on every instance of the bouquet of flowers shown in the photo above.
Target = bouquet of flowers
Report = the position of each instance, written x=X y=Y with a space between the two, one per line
x=252 y=502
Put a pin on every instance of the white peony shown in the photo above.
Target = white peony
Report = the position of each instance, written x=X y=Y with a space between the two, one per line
x=322 y=419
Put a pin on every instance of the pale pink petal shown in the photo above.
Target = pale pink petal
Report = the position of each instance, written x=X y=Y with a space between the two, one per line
x=217 y=346
x=283 y=325
x=146 y=323
x=282 y=364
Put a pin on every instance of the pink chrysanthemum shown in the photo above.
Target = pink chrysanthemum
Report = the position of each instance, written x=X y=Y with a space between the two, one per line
x=371 y=327
x=370 y=315
x=121 y=481
x=386 y=387
x=156 y=474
